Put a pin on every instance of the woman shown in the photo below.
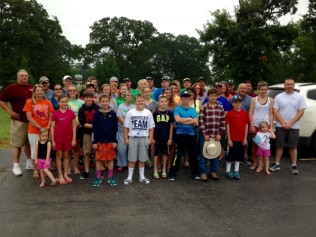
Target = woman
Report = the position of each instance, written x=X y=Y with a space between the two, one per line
x=175 y=87
x=39 y=111
x=58 y=91
x=224 y=90
x=75 y=104
x=150 y=104
x=106 y=90
x=141 y=85
x=122 y=148
x=198 y=92
x=261 y=109
x=121 y=96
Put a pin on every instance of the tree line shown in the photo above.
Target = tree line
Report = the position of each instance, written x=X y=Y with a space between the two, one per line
x=250 y=44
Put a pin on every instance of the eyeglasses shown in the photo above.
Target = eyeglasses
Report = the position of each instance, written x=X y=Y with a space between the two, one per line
x=72 y=90
x=57 y=89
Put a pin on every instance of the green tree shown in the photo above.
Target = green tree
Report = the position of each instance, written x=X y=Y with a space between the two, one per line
x=30 y=38
x=247 y=46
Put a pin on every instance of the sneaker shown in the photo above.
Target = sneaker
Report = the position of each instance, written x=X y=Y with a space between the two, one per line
x=230 y=175
x=29 y=165
x=203 y=177
x=128 y=181
x=236 y=175
x=84 y=175
x=112 y=182
x=17 y=170
x=246 y=163
x=275 y=167
x=294 y=170
x=197 y=177
x=144 y=181
x=214 y=176
x=97 y=182
x=171 y=179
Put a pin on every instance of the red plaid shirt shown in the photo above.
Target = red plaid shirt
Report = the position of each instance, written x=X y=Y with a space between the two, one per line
x=212 y=120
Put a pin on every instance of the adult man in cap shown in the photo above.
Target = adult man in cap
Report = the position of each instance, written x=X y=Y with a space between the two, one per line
x=114 y=86
x=17 y=94
x=45 y=83
x=151 y=84
x=186 y=84
x=231 y=87
x=164 y=84
x=185 y=138
x=67 y=81
x=128 y=83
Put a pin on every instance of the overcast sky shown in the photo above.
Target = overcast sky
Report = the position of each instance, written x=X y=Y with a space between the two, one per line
x=171 y=16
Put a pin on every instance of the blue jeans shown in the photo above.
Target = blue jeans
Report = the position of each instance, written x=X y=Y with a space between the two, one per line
x=204 y=161
x=122 y=149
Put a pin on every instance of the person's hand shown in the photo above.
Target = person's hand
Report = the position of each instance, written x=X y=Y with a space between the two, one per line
x=218 y=137
x=169 y=143
x=73 y=143
x=95 y=146
x=54 y=145
x=245 y=142
x=47 y=162
x=14 y=115
x=252 y=129
x=207 y=138
x=230 y=143
x=114 y=145
x=127 y=141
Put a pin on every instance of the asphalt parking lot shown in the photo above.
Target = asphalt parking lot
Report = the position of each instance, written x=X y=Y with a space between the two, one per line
x=258 y=205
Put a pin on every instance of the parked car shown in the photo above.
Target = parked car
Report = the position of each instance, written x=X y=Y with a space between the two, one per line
x=308 y=121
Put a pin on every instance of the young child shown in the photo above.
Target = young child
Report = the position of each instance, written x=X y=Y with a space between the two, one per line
x=138 y=134
x=262 y=139
x=42 y=157
x=63 y=133
x=163 y=134
x=212 y=126
x=85 y=116
x=104 y=129
x=237 y=121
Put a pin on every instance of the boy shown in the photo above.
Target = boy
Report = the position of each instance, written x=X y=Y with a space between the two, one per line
x=237 y=121
x=85 y=116
x=163 y=133
x=138 y=134
x=212 y=126
x=185 y=117
x=104 y=129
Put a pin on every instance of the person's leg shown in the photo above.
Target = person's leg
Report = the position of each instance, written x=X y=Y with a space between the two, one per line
x=266 y=163
x=67 y=158
x=203 y=162
x=121 y=150
x=293 y=155
x=260 y=163
x=177 y=159
x=164 y=166
x=50 y=176
x=59 y=156
x=42 y=178
x=214 y=168
x=27 y=152
x=278 y=154
x=171 y=155
x=76 y=157
x=190 y=142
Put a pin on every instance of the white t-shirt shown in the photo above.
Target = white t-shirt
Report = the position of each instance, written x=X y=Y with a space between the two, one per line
x=288 y=106
x=262 y=139
x=139 y=122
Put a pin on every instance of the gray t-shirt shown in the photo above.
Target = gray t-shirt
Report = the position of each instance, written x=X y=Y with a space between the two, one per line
x=288 y=106
x=122 y=111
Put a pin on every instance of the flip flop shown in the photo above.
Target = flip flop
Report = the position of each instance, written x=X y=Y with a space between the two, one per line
x=36 y=175
x=62 y=181
x=156 y=176
x=68 y=180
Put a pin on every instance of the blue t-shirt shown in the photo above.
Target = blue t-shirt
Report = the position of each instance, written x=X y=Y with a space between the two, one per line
x=185 y=113
x=221 y=101
x=49 y=94
x=157 y=93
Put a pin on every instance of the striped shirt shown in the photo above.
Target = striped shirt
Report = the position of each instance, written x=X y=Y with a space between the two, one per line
x=212 y=120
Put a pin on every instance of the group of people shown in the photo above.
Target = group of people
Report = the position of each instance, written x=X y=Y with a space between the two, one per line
x=162 y=125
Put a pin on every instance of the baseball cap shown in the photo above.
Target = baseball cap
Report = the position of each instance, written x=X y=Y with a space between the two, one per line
x=164 y=78
x=126 y=79
x=217 y=84
x=43 y=79
x=67 y=77
x=113 y=79
x=187 y=79
x=230 y=82
x=185 y=94
x=201 y=79
x=90 y=84
x=148 y=78
x=236 y=98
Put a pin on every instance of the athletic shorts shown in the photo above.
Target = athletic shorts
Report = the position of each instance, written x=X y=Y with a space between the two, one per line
x=33 y=140
x=137 y=149
x=41 y=164
x=263 y=153
x=161 y=148
x=18 y=133
x=105 y=152
x=87 y=144
x=63 y=145
x=289 y=137
x=236 y=152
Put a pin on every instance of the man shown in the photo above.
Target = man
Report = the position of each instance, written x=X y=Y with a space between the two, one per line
x=128 y=83
x=164 y=84
x=17 y=94
x=151 y=84
x=201 y=80
x=185 y=138
x=186 y=84
x=249 y=88
x=67 y=81
x=45 y=83
x=231 y=87
x=288 y=108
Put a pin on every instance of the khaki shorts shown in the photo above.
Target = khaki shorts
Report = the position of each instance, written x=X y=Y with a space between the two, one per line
x=87 y=144
x=18 y=133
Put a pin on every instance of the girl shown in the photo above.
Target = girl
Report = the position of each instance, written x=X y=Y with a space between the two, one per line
x=261 y=109
x=42 y=157
x=63 y=133
x=262 y=139
x=121 y=96
x=75 y=104
x=150 y=104
x=106 y=90
x=38 y=112
x=104 y=131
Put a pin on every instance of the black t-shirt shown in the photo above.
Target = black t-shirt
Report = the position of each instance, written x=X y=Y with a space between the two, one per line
x=42 y=150
x=163 y=121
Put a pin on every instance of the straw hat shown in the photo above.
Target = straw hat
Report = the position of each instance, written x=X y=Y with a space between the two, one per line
x=211 y=149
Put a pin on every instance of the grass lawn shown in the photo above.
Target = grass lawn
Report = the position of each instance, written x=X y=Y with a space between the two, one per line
x=5 y=122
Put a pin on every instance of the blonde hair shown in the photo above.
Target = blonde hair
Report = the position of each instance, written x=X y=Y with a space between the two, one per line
x=33 y=94
x=43 y=130
x=262 y=123
x=77 y=95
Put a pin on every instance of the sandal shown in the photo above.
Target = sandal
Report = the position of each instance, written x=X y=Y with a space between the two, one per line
x=253 y=167
x=186 y=164
x=164 y=175
x=156 y=176
x=68 y=180
x=62 y=181
x=36 y=175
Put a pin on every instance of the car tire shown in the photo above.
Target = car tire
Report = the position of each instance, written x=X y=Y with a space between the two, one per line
x=313 y=143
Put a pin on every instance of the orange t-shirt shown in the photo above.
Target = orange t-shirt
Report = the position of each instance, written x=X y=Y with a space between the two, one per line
x=41 y=112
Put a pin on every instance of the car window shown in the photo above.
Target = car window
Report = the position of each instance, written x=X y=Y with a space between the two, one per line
x=274 y=92
x=311 y=94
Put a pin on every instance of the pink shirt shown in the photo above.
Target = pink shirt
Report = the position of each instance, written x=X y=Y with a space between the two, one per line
x=63 y=124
